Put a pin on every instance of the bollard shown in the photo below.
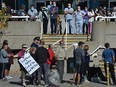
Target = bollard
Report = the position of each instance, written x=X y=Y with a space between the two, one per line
x=108 y=75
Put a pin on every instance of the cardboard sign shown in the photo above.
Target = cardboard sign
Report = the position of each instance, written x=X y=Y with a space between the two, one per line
x=29 y=63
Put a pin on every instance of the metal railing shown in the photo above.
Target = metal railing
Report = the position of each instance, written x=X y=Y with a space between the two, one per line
x=66 y=36
x=99 y=47
x=18 y=17
x=69 y=47
x=105 y=18
x=56 y=42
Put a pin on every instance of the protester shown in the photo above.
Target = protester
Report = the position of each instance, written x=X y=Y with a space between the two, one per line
x=10 y=60
x=60 y=55
x=32 y=12
x=86 y=63
x=43 y=15
x=34 y=46
x=75 y=68
x=33 y=76
x=79 y=20
x=69 y=19
x=51 y=60
x=41 y=56
x=35 y=42
x=79 y=56
x=3 y=62
x=53 y=17
x=22 y=69
x=109 y=56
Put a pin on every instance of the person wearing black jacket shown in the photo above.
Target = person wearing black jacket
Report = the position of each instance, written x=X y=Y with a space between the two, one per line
x=41 y=56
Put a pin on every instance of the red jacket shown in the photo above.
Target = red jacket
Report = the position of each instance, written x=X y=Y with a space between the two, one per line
x=51 y=53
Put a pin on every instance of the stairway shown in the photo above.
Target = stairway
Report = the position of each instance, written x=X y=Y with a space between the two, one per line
x=71 y=39
x=101 y=64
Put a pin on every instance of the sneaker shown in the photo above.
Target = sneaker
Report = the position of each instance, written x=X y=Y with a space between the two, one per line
x=24 y=84
x=5 y=78
x=39 y=85
x=86 y=81
x=9 y=77
x=46 y=85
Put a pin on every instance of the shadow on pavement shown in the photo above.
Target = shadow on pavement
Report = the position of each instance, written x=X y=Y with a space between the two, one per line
x=16 y=83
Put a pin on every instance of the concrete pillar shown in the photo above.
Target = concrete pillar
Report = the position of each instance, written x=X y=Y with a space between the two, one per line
x=98 y=33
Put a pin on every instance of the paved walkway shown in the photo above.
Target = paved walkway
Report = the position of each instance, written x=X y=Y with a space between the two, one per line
x=15 y=82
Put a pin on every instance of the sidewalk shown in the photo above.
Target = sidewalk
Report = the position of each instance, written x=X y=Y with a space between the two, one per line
x=15 y=82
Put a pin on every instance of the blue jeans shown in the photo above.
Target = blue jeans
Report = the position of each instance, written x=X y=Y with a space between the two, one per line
x=43 y=67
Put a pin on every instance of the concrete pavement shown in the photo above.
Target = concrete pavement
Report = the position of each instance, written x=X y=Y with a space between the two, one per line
x=15 y=82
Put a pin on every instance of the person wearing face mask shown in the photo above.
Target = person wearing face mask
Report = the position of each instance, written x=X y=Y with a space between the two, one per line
x=69 y=18
x=32 y=12
x=60 y=55
x=21 y=11
x=43 y=16
x=79 y=20
x=49 y=6
x=53 y=17
x=85 y=24
x=6 y=11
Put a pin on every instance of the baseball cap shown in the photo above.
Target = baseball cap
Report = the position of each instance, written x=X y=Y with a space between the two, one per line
x=36 y=38
x=24 y=46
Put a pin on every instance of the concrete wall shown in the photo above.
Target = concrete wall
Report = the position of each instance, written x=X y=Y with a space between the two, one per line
x=104 y=32
x=18 y=33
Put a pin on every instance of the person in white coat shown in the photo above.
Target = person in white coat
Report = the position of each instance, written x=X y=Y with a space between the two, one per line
x=43 y=16
x=69 y=19
x=78 y=14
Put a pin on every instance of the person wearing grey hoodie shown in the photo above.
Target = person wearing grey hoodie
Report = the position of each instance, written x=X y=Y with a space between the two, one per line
x=79 y=59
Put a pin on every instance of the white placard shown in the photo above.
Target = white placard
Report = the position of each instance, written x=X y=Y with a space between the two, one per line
x=29 y=63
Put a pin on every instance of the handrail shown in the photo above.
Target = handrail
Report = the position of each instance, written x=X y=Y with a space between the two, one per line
x=55 y=42
x=96 y=18
x=66 y=36
x=69 y=47
x=99 y=47
x=106 y=17
x=26 y=17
